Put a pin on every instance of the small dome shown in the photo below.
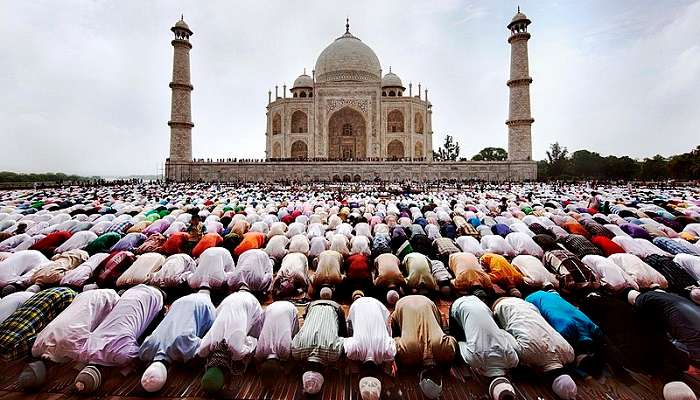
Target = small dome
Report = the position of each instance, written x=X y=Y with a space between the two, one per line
x=519 y=17
x=303 y=81
x=347 y=59
x=181 y=24
x=391 y=79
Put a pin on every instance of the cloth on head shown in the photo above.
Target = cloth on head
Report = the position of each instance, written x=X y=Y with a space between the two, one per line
x=312 y=382
x=564 y=387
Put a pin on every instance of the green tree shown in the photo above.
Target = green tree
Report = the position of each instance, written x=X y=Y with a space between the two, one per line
x=449 y=150
x=586 y=164
x=655 y=168
x=557 y=159
x=491 y=154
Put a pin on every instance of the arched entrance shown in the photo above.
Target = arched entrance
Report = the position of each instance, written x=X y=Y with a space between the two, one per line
x=347 y=137
x=299 y=150
x=395 y=150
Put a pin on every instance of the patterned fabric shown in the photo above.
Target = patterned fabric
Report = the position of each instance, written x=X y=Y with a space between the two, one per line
x=572 y=273
x=19 y=330
x=444 y=247
x=113 y=266
x=679 y=280
x=580 y=246
x=320 y=338
x=120 y=227
x=675 y=247
x=596 y=229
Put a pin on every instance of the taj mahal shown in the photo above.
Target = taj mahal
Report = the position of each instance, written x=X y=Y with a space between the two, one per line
x=350 y=120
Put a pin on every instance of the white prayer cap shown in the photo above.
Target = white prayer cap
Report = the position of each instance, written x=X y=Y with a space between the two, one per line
x=678 y=391
x=154 y=377
x=312 y=382
x=564 y=387
x=370 y=388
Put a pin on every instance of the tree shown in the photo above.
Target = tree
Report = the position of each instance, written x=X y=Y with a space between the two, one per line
x=449 y=150
x=655 y=168
x=585 y=164
x=491 y=154
x=557 y=157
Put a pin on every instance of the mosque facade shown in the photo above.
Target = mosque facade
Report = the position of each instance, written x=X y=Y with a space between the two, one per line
x=346 y=110
x=350 y=121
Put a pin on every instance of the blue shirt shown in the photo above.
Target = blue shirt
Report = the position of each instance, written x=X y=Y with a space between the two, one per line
x=177 y=337
x=566 y=319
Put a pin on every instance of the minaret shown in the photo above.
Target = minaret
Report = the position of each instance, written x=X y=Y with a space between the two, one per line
x=181 y=111
x=519 y=118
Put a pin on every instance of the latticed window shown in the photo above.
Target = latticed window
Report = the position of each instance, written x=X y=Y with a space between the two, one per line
x=347 y=130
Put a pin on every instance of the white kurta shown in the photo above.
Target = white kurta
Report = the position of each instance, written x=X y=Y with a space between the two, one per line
x=613 y=278
x=370 y=330
x=11 y=302
x=64 y=338
x=488 y=349
x=175 y=271
x=141 y=269
x=539 y=346
x=645 y=276
x=19 y=264
x=254 y=270
x=80 y=274
x=213 y=267
x=239 y=319
x=534 y=272
x=281 y=323
x=690 y=263
x=522 y=243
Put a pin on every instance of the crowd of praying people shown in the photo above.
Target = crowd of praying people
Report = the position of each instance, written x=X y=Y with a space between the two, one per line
x=566 y=281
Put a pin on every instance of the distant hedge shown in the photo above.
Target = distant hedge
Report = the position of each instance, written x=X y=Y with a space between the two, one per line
x=7 y=176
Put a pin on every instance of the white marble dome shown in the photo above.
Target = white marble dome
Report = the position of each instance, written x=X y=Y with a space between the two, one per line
x=303 y=81
x=391 y=80
x=347 y=59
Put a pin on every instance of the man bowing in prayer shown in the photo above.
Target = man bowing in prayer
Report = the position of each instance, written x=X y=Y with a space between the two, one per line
x=539 y=346
x=485 y=347
x=319 y=343
x=177 y=337
x=115 y=341
x=20 y=329
x=421 y=340
x=231 y=341
x=275 y=342
x=63 y=339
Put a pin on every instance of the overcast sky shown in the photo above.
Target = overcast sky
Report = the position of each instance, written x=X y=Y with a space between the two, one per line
x=85 y=83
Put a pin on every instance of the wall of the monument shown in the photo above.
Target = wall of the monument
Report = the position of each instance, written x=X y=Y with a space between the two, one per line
x=367 y=171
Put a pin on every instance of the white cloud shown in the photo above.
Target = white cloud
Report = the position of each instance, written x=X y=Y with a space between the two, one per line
x=85 y=83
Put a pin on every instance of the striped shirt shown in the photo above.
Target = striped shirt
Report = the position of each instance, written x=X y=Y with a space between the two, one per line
x=19 y=330
x=320 y=339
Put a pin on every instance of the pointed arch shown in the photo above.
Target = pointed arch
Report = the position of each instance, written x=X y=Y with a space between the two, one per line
x=300 y=122
x=418 y=151
x=395 y=149
x=419 y=122
x=299 y=150
x=276 y=124
x=394 y=121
